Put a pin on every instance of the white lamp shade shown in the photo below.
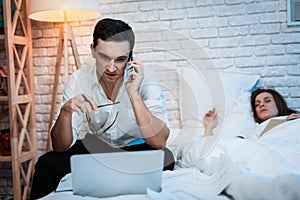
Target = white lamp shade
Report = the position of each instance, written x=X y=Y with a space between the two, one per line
x=53 y=10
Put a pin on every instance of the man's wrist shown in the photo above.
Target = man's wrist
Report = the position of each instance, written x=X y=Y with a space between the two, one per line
x=135 y=97
x=65 y=115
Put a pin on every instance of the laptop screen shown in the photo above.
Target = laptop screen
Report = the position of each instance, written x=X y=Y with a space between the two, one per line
x=117 y=173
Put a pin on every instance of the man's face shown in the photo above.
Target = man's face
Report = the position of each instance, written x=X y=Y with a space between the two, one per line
x=111 y=58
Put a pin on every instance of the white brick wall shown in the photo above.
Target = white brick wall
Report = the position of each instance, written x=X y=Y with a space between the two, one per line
x=238 y=35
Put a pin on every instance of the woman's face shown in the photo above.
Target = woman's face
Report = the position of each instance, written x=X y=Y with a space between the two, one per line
x=265 y=106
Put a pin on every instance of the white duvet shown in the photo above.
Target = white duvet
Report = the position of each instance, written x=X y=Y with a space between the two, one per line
x=268 y=167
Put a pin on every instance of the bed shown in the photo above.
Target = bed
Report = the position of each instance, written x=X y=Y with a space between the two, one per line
x=267 y=166
x=224 y=166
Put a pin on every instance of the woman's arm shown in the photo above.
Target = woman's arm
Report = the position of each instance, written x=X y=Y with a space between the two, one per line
x=293 y=116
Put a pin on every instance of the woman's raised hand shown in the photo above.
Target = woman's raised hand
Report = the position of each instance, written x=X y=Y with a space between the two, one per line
x=210 y=120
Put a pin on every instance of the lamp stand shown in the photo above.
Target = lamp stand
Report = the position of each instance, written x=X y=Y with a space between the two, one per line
x=65 y=35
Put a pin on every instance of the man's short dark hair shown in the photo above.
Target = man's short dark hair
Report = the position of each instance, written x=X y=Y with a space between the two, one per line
x=113 y=30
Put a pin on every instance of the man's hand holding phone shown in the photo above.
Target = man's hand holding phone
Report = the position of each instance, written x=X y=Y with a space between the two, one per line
x=128 y=74
x=134 y=76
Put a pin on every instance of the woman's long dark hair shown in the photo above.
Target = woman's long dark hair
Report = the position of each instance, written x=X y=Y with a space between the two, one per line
x=281 y=104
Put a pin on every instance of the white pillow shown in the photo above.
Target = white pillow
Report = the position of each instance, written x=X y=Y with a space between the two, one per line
x=228 y=92
x=237 y=122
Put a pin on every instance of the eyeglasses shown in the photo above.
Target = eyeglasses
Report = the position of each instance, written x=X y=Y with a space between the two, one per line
x=96 y=128
x=107 y=128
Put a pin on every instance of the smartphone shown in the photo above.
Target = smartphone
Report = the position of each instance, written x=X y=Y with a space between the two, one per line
x=127 y=71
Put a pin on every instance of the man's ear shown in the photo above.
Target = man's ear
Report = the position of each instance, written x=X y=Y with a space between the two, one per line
x=93 y=50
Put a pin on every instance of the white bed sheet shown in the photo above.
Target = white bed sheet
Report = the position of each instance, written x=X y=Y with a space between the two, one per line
x=273 y=168
x=268 y=167
x=69 y=196
x=180 y=184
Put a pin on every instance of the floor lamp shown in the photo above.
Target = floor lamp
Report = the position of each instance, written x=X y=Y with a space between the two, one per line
x=63 y=11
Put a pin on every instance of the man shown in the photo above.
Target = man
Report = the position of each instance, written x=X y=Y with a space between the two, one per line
x=126 y=111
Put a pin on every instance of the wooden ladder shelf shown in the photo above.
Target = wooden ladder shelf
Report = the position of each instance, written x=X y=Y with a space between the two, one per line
x=20 y=99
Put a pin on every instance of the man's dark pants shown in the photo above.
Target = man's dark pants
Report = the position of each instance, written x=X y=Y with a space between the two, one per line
x=52 y=166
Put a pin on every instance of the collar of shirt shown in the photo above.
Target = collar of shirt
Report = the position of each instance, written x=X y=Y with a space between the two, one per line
x=95 y=80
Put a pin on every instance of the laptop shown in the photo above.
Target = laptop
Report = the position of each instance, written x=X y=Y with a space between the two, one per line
x=117 y=173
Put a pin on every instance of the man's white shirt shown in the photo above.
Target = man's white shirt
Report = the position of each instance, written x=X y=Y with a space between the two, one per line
x=124 y=130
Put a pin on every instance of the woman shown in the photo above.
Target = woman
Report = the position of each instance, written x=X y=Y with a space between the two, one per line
x=265 y=104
